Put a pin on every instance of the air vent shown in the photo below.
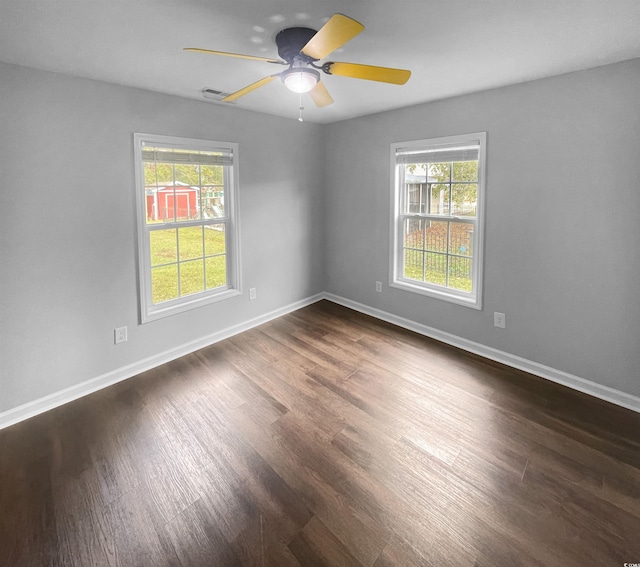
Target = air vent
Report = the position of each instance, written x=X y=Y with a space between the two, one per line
x=215 y=95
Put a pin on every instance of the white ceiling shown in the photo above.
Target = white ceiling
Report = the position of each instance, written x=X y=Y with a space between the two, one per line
x=452 y=47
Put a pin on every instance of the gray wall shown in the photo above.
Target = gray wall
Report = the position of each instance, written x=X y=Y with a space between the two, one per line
x=68 y=234
x=562 y=223
x=563 y=211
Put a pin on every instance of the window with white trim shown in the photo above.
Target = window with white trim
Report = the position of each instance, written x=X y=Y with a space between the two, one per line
x=187 y=223
x=437 y=225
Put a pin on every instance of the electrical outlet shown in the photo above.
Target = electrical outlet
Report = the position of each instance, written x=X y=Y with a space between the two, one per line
x=499 y=320
x=252 y=293
x=379 y=287
x=120 y=335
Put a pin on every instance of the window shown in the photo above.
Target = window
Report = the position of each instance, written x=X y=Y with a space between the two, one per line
x=438 y=200
x=187 y=223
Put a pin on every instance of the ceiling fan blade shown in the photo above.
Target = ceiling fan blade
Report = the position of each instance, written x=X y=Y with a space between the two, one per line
x=335 y=33
x=238 y=55
x=320 y=95
x=369 y=72
x=251 y=87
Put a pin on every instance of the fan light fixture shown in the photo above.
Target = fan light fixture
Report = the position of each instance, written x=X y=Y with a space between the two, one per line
x=302 y=50
x=300 y=80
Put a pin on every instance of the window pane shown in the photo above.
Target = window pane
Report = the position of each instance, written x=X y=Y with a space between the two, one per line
x=190 y=242
x=414 y=233
x=461 y=239
x=213 y=191
x=214 y=239
x=191 y=277
x=464 y=197
x=161 y=200
x=163 y=246
x=159 y=194
x=460 y=273
x=171 y=192
x=413 y=265
x=437 y=236
x=440 y=172
x=212 y=175
x=465 y=171
x=416 y=198
x=187 y=189
x=216 y=271
x=186 y=202
x=152 y=208
x=151 y=172
x=415 y=188
x=213 y=202
x=439 y=199
x=159 y=203
x=436 y=268
x=187 y=174
x=164 y=283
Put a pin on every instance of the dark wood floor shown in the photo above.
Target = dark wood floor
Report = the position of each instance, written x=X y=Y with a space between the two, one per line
x=324 y=438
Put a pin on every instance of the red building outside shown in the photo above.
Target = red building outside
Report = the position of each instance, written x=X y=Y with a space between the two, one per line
x=166 y=199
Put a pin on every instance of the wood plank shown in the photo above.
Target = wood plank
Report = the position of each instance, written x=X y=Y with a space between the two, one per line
x=197 y=540
x=316 y=545
x=324 y=437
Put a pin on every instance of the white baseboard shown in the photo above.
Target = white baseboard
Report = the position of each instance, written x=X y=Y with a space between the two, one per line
x=575 y=382
x=62 y=397
x=56 y=399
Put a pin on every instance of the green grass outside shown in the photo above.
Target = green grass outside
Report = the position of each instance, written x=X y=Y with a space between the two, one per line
x=438 y=244
x=439 y=276
x=186 y=260
x=195 y=258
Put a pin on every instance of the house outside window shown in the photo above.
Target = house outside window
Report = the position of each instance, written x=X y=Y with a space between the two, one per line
x=437 y=217
x=187 y=223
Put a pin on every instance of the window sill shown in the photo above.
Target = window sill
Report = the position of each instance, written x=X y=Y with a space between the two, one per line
x=444 y=294
x=172 y=307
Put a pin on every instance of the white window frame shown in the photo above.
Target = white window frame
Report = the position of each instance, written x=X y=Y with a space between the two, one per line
x=471 y=299
x=148 y=310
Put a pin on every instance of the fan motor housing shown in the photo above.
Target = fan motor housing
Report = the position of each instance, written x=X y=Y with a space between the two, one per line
x=290 y=42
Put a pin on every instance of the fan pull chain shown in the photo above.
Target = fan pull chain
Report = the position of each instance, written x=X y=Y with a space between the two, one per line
x=300 y=109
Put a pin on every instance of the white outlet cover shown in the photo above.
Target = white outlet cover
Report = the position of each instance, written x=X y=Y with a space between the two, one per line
x=120 y=335
x=499 y=320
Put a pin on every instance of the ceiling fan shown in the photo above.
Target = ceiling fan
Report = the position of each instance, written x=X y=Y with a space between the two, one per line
x=301 y=48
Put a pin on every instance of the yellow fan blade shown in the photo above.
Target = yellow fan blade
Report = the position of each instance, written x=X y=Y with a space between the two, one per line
x=370 y=73
x=238 y=55
x=320 y=95
x=335 y=33
x=251 y=87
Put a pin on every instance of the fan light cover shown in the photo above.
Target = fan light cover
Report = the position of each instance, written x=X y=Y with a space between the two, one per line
x=300 y=80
